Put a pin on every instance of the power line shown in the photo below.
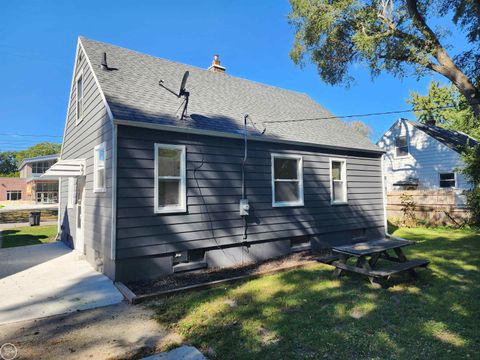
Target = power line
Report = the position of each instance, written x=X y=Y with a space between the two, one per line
x=359 y=115
x=31 y=135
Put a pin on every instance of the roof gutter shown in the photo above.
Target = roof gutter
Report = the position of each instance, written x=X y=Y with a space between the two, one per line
x=237 y=136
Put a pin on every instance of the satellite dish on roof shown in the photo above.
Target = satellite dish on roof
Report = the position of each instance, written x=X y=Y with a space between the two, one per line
x=182 y=92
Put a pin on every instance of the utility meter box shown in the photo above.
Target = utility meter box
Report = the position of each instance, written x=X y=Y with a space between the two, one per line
x=244 y=207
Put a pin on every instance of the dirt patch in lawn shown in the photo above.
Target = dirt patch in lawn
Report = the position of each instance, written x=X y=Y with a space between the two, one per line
x=114 y=332
x=181 y=280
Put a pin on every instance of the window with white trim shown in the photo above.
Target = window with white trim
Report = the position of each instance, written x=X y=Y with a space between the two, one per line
x=447 y=180
x=338 y=181
x=71 y=192
x=287 y=180
x=13 y=195
x=401 y=146
x=170 y=178
x=99 y=173
x=79 y=103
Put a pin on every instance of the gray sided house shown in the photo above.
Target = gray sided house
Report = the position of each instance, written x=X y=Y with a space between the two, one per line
x=147 y=192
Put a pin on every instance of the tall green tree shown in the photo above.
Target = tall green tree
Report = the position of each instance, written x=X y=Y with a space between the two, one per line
x=471 y=158
x=8 y=163
x=445 y=105
x=9 y=160
x=41 y=149
x=396 y=36
x=449 y=108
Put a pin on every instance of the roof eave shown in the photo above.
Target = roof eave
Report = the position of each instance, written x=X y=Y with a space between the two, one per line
x=237 y=136
x=38 y=158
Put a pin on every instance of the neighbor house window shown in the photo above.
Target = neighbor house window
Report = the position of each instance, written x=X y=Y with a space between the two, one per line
x=338 y=181
x=14 y=195
x=99 y=168
x=80 y=97
x=287 y=180
x=447 y=180
x=170 y=178
x=401 y=146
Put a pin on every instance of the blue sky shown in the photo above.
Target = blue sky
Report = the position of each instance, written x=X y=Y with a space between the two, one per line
x=253 y=38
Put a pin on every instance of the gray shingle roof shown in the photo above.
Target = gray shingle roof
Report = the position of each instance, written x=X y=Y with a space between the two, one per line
x=217 y=100
x=455 y=140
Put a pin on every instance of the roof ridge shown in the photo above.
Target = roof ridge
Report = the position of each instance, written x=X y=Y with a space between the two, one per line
x=443 y=128
x=197 y=67
x=217 y=99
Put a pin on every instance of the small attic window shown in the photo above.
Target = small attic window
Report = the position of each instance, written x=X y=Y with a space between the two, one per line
x=401 y=146
x=79 y=98
x=80 y=57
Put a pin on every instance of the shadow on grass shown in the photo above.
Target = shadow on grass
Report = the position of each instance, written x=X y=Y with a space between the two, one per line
x=391 y=227
x=305 y=314
x=13 y=238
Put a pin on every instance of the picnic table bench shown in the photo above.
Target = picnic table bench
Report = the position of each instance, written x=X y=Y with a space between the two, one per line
x=368 y=254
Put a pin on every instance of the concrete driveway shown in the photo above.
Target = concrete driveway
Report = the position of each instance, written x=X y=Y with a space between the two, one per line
x=50 y=279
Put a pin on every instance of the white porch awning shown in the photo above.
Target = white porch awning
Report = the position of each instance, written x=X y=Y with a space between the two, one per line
x=66 y=168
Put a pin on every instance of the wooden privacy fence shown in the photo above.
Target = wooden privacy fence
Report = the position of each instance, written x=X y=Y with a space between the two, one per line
x=432 y=207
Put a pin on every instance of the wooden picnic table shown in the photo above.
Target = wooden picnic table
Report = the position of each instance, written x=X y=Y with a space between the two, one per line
x=368 y=253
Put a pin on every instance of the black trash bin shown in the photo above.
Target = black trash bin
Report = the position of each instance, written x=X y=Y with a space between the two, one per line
x=34 y=218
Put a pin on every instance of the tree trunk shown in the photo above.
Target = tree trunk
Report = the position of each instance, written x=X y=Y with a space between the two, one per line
x=448 y=69
x=446 y=66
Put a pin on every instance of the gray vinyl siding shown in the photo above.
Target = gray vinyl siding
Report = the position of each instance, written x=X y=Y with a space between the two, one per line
x=79 y=142
x=214 y=191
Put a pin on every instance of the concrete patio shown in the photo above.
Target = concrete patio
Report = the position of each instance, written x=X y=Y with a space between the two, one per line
x=50 y=279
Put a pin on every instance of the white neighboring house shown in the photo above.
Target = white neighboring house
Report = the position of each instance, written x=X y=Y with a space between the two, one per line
x=424 y=157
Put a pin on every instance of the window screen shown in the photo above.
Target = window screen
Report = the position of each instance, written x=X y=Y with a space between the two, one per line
x=401 y=146
x=99 y=168
x=287 y=180
x=447 y=180
x=338 y=181
x=170 y=182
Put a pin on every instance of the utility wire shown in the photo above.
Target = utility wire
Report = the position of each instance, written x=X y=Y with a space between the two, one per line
x=359 y=115
x=30 y=135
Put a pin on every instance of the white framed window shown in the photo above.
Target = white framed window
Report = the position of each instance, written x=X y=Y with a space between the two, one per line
x=338 y=181
x=71 y=192
x=99 y=173
x=287 y=180
x=447 y=180
x=79 y=98
x=13 y=195
x=170 y=178
x=401 y=146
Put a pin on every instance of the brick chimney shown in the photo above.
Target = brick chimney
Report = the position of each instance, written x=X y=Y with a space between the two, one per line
x=216 y=65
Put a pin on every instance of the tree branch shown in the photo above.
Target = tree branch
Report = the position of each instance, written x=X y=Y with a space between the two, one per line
x=476 y=5
x=445 y=66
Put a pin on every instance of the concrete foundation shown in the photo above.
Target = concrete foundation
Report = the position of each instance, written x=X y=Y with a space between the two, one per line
x=243 y=254
x=143 y=268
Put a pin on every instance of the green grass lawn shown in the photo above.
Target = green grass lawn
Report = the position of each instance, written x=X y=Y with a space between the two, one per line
x=305 y=314
x=28 y=235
